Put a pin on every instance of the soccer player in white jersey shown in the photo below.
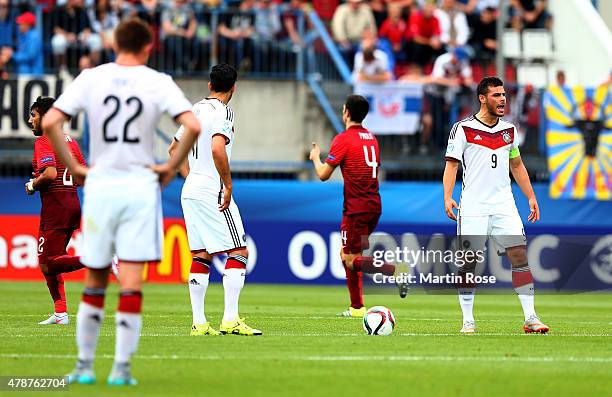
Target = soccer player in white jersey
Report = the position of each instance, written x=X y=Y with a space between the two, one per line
x=122 y=212
x=212 y=218
x=487 y=148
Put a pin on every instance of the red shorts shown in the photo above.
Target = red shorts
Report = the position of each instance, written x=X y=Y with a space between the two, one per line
x=355 y=231
x=52 y=243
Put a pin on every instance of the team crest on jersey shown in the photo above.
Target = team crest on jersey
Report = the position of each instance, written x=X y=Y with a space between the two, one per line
x=506 y=137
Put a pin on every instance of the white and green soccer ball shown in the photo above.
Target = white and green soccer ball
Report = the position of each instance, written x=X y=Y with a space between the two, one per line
x=378 y=320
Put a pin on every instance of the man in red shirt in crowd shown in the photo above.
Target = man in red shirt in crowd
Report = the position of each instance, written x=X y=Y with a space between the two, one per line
x=60 y=214
x=424 y=34
x=356 y=152
x=394 y=29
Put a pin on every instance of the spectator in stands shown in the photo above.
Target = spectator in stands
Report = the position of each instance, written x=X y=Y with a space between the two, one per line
x=349 y=23
x=394 y=30
x=525 y=111
x=236 y=31
x=268 y=28
x=267 y=21
x=450 y=75
x=371 y=64
x=325 y=8
x=530 y=14
x=178 y=31
x=7 y=36
x=484 y=37
x=415 y=75
x=103 y=20
x=560 y=78
x=290 y=21
x=379 y=10
x=28 y=58
x=72 y=30
x=7 y=24
x=150 y=11
x=454 y=30
x=424 y=33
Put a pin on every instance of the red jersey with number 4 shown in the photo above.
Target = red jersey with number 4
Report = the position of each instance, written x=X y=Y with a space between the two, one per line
x=60 y=208
x=356 y=152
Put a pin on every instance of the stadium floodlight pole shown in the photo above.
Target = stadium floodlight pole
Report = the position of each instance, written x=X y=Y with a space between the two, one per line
x=500 y=61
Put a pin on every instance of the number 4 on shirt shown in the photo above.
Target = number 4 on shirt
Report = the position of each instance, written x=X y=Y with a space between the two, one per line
x=371 y=162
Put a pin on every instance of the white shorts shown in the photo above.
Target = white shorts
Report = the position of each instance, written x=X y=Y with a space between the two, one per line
x=121 y=216
x=506 y=230
x=210 y=229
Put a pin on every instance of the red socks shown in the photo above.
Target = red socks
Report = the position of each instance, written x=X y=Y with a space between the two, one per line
x=200 y=265
x=55 y=283
x=94 y=297
x=236 y=262
x=130 y=302
x=521 y=276
x=366 y=264
x=355 y=287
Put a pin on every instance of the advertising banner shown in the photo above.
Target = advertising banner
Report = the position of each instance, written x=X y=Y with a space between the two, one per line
x=293 y=235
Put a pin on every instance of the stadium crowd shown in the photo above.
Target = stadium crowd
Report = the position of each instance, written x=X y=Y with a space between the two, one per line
x=407 y=33
x=445 y=44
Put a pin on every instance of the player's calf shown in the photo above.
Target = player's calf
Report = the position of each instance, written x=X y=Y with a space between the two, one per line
x=198 y=284
x=89 y=321
x=129 y=323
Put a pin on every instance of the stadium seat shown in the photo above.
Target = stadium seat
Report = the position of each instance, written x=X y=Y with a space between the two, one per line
x=537 y=44
x=511 y=44
x=532 y=73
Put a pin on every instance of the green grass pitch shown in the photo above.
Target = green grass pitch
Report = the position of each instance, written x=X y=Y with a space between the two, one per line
x=306 y=351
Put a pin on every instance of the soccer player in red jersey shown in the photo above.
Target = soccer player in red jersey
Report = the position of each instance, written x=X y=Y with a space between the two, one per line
x=356 y=152
x=60 y=214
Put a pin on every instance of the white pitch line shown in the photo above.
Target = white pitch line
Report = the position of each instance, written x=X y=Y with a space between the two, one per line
x=333 y=317
x=318 y=334
x=569 y=359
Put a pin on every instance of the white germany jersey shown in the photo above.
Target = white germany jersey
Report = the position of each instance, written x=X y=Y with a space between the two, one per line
x=215 y=119
x=123 y=106
x=484 y=152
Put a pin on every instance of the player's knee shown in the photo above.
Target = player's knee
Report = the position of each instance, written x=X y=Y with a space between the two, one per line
x=241 y=252
x=97 y=278
x=44 y=268
x=348 y=260
x=517 y=255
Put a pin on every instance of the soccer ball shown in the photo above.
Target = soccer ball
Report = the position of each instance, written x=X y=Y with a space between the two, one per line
x=378 y=320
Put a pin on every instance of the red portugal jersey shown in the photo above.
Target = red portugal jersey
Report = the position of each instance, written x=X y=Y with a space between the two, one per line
x=356 y=152
x=61 y=208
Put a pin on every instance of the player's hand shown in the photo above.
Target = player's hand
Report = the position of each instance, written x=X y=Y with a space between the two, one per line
x=315 y=151
x=449 y=204
x=165 y=173
x=29 y=187
x=534 y=215
x=226 y=198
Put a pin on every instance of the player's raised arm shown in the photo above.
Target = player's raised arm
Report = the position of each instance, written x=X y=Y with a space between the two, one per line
x=52 y=126
x=323 y=170
x=448 y=180
x=519 y=172
x=219 y=155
